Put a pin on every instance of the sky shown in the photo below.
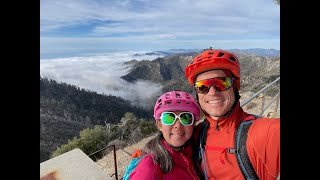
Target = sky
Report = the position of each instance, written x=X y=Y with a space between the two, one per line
x=74 y=27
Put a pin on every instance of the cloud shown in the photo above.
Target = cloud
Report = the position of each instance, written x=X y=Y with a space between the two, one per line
x=140 y=23
x=101 y=73
x=140 y=93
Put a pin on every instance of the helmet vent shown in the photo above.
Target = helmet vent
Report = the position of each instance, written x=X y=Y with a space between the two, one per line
x=220 y=54
x=232 y=58
x=179 y=102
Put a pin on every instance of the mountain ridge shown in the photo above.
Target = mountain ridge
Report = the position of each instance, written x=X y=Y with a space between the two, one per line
x=169 y=71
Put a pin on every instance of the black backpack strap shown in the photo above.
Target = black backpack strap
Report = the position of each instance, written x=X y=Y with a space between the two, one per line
x=200 y=142
x=243 y=160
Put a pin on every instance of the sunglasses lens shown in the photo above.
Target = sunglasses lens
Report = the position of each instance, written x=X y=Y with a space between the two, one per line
x=203 y=88
x=220 y=83
x=186 y=118
x=168 y=118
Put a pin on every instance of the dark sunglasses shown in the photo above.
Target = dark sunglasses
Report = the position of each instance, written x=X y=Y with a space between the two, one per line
x=220 y=83
x=169 y=118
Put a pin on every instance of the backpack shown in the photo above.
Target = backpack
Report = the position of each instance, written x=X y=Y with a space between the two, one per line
x=134 y=161
x=240 y=149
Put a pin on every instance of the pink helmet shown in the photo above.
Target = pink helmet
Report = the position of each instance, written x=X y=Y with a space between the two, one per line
x=176 y=101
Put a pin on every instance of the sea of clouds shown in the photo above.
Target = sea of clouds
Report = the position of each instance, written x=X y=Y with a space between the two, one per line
x=101 y=73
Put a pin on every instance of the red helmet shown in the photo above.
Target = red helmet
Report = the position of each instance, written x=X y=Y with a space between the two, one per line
x=213 y=59
x=174 y=101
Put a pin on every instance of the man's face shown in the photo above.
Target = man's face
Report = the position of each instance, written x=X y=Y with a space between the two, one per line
x=215 y=103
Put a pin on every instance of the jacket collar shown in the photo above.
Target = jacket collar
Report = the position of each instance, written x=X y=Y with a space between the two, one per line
x=233 y=119
x=186 y=150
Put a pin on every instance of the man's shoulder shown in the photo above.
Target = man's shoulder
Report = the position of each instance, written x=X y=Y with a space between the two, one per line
x=264 y=124
x=261 y=121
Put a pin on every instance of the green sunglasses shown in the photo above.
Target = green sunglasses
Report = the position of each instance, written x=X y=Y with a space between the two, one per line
x=169 y=118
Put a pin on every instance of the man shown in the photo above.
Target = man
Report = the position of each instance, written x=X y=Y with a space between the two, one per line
x=215 y=75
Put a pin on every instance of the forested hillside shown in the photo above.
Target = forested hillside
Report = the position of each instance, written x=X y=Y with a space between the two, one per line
x=66 y=109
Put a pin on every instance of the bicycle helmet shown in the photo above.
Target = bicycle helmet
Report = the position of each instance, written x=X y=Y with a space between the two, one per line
x=176 y=101
x=211 y=59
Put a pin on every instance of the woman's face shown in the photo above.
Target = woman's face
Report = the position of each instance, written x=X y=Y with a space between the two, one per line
x=177 y=134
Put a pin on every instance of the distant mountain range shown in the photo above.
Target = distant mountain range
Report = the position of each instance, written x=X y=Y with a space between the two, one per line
x=256 y=51
x=259 y=52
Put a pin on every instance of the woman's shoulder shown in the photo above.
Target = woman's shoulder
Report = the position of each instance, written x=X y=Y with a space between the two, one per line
x=148 y=159
x=146 y=169
x=147 y=163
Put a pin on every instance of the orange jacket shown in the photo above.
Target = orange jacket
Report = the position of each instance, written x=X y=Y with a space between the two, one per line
x=263 y=147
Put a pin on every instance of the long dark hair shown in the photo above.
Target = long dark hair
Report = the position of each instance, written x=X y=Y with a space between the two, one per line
x=160 y=153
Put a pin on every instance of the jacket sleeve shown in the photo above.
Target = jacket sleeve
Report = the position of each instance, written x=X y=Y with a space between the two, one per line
x=273 y=161
x=264 y=147
x=146 y=170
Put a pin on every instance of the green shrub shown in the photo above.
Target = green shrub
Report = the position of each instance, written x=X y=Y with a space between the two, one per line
x=90 y=141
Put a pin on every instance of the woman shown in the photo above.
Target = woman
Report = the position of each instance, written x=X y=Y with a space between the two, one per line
x=168 y=156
